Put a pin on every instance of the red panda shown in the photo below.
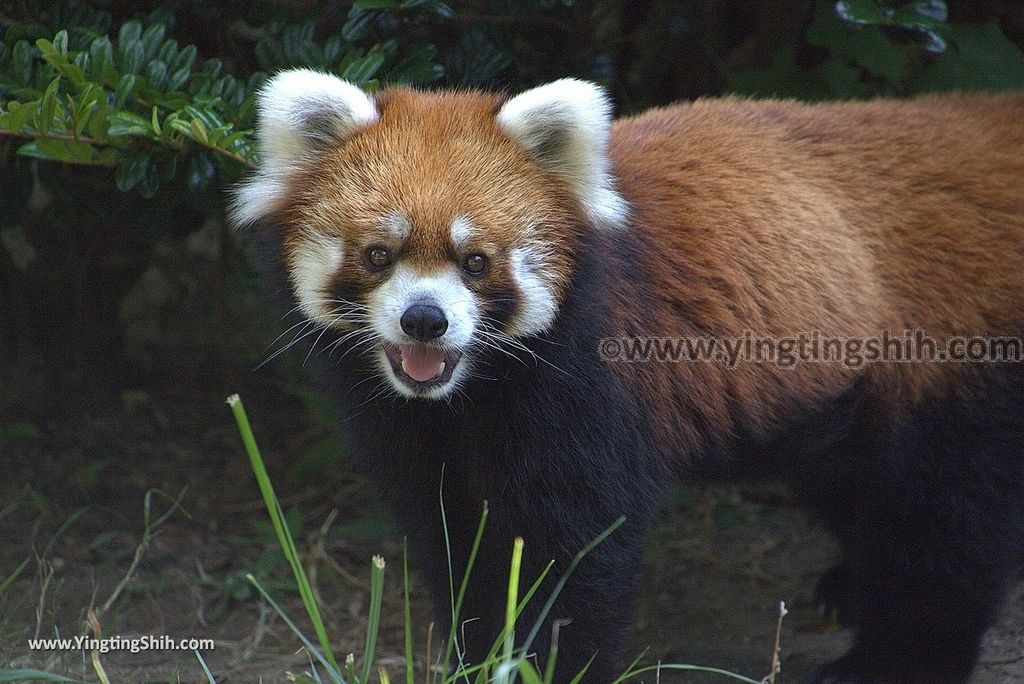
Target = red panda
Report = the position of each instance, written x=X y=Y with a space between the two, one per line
x=464 y=258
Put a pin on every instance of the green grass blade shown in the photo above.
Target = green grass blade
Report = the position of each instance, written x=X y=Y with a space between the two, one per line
x=549 y=666
x=331 y=669
x=281 y=530
x=457 y=604
x=529 y=673
x=9 y=580
x=206 y=670
x=373 y=623
x=507 y=669
x=582 y=673
x=32 y=676
x=565 y=578
x=410 y=675
x=686 y=668
x=500 y=640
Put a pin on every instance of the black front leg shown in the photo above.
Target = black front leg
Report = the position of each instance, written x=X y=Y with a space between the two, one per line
x=592 y=610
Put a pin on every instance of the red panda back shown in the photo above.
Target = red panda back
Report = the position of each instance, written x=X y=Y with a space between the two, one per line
x=851 y=219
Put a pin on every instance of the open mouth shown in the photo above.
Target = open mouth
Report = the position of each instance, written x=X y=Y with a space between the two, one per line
x=421 y=366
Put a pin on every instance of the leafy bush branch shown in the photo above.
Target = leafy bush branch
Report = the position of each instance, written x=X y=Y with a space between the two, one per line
x=142 y=105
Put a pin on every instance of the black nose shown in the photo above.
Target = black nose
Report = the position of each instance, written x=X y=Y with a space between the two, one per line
x=424 y=322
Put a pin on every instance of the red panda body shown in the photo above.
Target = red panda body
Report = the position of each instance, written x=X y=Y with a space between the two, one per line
x=846 y=218
x=464 y=261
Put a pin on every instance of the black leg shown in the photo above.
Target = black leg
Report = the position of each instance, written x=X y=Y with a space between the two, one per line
x=592 y=611
x=837 y=595
x=932 y=526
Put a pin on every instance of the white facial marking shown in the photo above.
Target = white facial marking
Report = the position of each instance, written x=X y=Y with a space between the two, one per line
x=462 y=230
x=301 y=112
x=538 y=304
x=406 y=287
x=397 y=226
x=566 y=125
x=314 y=263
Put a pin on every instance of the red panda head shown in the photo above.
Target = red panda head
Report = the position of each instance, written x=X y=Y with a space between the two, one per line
x=430 y=226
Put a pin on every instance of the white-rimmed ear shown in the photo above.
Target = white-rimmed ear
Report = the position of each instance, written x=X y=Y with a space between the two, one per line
x=300 y=113
x=565 y=125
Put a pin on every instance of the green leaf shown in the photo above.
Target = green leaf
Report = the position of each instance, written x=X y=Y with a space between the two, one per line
x=867 y=46
x=199 y=131
x=269 y=53
x=59 y=61
x=417 y=65
x=156 y=75
x=296 y=41
x=358 y=23
x=167 y=167
x=22 y=115
x=477 y=58
x=840 y=78
x=21 y=62
x=930 y=9
x=98 y=124
x=436 y=6
x=208 y=117
x=131 y=170
x=101 y=57
x=332 y=49
x=81 y=61
x=155 y=121
x=152 y=39
x=133 y=58
x=782 y=79
x=48 y=107
x=69 y=151
x=212 y=67
x=60 y=42
x=364 y=69
x=363 y=5
x=128 y=123
x=129 y=33
x=178 y=79
x=168 y=51
x=984 y=59
x=84 y=114
x=124 y=90
x=199 y=173
x=185 y=59
x=861 y=12
x=150 y=181
x=930 y=14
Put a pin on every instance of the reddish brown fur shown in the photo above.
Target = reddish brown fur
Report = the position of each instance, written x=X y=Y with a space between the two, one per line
x=435 y=157
x=775 y=217
x=847 y=218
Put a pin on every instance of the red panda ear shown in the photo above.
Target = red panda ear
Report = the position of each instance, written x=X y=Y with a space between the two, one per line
x=301 y=112
x=565 y=125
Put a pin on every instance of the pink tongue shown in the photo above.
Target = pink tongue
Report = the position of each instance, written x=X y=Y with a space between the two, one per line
x=421 y=363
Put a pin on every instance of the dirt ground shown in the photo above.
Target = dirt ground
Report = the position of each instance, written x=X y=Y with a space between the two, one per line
x=75 y=469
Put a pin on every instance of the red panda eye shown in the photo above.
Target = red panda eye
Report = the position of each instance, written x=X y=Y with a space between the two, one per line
x=475 y=264
x=378 y=257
